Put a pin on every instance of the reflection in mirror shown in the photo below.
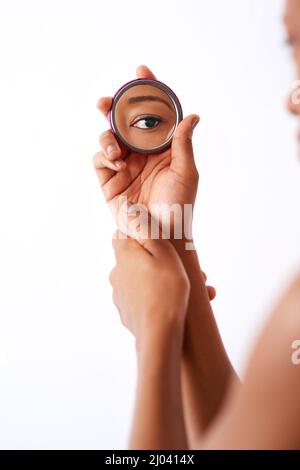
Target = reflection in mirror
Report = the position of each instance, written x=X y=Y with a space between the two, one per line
x=145 y=114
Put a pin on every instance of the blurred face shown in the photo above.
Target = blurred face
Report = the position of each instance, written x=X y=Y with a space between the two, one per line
x=292 y=23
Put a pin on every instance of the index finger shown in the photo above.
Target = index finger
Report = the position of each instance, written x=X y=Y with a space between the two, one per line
x=142 y=71
x=104 y=104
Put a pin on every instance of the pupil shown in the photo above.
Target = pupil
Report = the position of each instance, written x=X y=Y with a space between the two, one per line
x=150 y=121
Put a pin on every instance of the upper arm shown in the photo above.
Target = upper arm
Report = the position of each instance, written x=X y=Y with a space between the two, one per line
x=264 y=412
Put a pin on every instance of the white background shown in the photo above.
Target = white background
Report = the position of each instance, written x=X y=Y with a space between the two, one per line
x=67 y=365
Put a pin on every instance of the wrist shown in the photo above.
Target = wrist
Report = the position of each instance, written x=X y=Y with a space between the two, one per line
x=175 y=220
x=161 y=337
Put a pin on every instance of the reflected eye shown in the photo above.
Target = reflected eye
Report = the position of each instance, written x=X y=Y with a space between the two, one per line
x=147 y=122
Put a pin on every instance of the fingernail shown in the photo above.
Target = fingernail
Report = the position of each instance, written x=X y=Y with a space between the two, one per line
x=111 y=148
x=118 y=163
x=195 y=122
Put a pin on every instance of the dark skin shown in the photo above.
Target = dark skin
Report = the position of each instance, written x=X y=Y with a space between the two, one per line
x=167 y=178
x=262 y=414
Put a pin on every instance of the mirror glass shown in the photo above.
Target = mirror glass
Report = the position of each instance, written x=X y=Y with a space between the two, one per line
x=145 y=114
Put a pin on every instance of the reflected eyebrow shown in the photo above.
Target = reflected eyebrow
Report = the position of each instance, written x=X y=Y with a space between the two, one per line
x=138 y=99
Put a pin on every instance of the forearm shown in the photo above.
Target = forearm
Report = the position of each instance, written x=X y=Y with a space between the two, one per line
x=206 y=369
x=158 y=421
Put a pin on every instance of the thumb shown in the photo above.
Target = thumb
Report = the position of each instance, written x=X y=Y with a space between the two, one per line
x=182 y=155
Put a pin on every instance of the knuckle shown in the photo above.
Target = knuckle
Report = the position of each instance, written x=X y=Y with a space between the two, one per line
x=188 y=140
x=185 y=140
x=96 y=159
x=122 y=318
x=196 y=174
x=111 y=276
x=184 y=284
x=171 y=278
x=95 y=156
x=100 y=161
x=114 y=298
x=106 y=133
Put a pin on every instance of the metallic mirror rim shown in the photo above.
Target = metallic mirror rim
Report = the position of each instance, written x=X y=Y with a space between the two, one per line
x=144 y=81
